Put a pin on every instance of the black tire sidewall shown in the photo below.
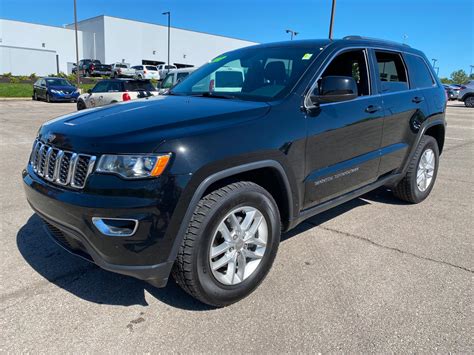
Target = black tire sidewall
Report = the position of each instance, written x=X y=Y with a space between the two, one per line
x=215 y=292
x=80 y=105
x=428 y=143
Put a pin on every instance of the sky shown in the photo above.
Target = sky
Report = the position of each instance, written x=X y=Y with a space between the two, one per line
x=443 y=29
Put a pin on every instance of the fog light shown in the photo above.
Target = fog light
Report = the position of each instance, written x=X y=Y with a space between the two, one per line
x=115 y=227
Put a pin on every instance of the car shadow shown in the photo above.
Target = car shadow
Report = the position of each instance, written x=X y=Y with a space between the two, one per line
x=89 y=282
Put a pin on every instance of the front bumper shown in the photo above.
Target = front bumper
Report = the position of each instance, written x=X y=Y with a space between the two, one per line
x=64 y=97
x=146 y=255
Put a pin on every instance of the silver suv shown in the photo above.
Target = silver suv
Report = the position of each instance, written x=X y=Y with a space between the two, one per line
x=467 y=94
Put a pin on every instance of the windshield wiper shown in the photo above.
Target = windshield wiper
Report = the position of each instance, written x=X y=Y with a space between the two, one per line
x=217 y=96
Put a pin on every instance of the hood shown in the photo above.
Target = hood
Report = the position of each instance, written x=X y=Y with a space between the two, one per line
x=140 y=126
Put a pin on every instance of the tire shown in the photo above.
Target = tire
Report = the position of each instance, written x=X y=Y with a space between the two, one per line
x=35 y=96
x=469 y=101
x=48 y=98
x=408 y=189
x=80 y=105
x=192 y=270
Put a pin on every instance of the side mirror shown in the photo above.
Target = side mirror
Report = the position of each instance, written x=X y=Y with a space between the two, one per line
x=336 y=89
x=89 y=91
x=74 y=64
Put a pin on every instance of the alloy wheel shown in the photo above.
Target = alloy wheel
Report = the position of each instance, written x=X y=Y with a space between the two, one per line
x=238 y=245
x=425 y=172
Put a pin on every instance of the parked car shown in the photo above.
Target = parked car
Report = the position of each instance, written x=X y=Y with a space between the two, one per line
x=90 y=67
x=466 y=94
x=146 y=72
x=122 y=70
x=110 y=91
x=163 y=70
x=173 y=77
x=450 y=95
x=201 y=184
x=54 y=89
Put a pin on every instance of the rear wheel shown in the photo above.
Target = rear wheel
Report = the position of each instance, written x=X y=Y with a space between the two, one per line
x=48 y=98
x=35 y=95
x=422 y=171
x=230 y=244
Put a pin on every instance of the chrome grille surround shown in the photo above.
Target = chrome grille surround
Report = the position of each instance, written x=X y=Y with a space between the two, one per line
x=61 y=167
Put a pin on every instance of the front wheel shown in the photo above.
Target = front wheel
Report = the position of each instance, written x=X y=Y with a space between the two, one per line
x=80 y=105
x=469 y=101
x=48 y=98
x=422 y=171
x=230 y=244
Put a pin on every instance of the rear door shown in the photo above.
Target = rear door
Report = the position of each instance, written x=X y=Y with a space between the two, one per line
x=344 y=137
x=405 y=107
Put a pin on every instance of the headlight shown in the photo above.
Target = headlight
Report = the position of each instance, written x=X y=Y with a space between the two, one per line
x=54 y=91
x=133 y=166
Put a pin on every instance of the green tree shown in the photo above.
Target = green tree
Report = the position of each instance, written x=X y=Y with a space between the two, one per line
x=459 y=77
x=446 y=81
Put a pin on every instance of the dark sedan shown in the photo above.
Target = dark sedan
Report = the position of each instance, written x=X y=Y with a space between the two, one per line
x=54 y=90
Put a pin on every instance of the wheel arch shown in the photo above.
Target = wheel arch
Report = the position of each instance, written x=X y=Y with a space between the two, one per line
x=437 y=131
x=279 y=187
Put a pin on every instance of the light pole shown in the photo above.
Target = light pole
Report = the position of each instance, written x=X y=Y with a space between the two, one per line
x=77 y=45
x=293 y=33
x=169 y=29
x=331 y=23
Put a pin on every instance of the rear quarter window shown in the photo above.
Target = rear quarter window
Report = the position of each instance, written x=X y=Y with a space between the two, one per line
x=392 y=71
x=420 y=75
x=139 y=86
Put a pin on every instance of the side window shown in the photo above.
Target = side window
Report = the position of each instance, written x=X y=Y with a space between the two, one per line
x=352 y=64
x=114 y=86
x=392 y=72
x=181 y=76
x=420 y=76
x=101 y=86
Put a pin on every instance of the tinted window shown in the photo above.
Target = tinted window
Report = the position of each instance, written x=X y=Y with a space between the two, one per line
x=420 y=75
x=351 y=64
x=392 y=73
x=229 y=79
x=139 y=86
x=101 y=86
x=150 y=67
x=114 y=86
x=121 y=66
x=181 y=76
x=58 y=82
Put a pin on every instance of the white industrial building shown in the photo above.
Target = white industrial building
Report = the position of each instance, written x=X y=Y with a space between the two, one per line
x=27 y=48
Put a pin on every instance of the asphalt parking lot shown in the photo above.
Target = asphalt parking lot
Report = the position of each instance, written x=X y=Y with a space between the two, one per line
x=373 y=275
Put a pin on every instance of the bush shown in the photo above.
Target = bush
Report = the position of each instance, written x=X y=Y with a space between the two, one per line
x=7 y=75
x=23 y=78
x=33 y=76
x=14 y=80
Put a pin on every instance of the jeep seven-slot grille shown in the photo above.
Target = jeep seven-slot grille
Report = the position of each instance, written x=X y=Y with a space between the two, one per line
x=61 y=167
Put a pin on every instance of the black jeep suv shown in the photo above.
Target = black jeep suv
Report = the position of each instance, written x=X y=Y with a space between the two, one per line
x=200 y=183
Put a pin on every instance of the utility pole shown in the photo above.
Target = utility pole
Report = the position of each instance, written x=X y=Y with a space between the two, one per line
x=77 y=45
x=434 y=61
x=169 y=28
x=293 y=33
x=333 y=13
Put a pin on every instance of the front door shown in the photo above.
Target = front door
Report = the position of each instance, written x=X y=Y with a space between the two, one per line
x=342 y=152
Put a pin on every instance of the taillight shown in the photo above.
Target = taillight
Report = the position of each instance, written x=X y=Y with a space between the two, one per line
x=144 y=72
x=126 y=97
x=211 y=85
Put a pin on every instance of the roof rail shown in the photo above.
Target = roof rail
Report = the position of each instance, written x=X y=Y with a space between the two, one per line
x=352 y=37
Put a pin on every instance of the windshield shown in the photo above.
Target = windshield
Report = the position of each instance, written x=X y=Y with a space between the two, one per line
x=168 y=81
x=256 y=73
x=58 y=82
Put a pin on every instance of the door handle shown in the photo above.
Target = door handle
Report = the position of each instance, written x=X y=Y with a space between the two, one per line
x=373 y=108
x=418 y=99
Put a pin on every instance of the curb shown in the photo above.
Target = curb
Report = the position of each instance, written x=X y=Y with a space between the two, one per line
x=15 y=99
